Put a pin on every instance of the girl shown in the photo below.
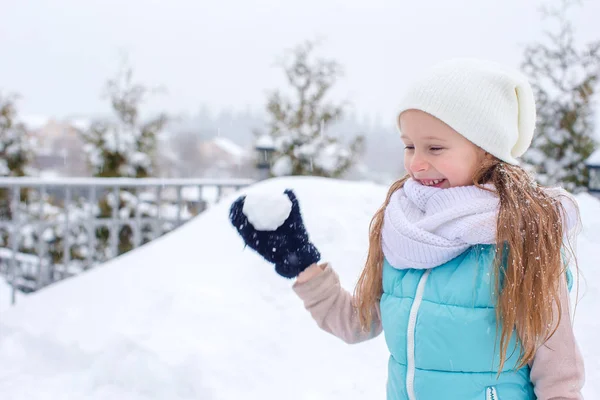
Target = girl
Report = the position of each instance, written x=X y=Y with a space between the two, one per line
x=466 y=272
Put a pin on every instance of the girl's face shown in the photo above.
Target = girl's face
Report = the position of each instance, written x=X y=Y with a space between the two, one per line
x=435 y=154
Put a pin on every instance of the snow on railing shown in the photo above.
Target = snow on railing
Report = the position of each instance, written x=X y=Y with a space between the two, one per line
x=44 y=220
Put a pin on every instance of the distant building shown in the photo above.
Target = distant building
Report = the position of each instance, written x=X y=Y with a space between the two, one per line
x=221 y=157
x=58 y=147
x=59 y=152
x=217 y=157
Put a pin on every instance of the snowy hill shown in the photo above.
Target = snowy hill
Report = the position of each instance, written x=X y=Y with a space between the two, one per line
x=193 y=315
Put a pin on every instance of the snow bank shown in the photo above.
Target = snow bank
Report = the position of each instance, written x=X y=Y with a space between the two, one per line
x=194 y=315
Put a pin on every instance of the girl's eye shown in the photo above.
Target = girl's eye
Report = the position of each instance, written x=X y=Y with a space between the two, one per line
x=409 y=147
x=436 y=148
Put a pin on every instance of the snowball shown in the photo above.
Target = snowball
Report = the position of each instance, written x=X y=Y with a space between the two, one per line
x=267 y=211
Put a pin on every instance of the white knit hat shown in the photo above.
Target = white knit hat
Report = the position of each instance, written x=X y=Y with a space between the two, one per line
x=488 y=104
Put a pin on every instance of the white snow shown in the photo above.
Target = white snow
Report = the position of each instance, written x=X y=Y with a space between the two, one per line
x=265 y=142
x=195 y=315
x=331 y=157
x=283 y=166
x=81 y=123
x=267 y=211
x=594 y=159
x=131 y=142
x=49 y=174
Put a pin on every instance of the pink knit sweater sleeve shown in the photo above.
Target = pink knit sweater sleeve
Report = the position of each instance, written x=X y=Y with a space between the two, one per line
x=557 y=370
x=333 y=309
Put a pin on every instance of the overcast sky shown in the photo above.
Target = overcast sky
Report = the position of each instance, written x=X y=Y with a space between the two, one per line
x=57 y=54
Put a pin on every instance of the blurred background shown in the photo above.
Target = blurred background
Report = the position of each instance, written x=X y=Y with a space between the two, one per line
x=214 y=72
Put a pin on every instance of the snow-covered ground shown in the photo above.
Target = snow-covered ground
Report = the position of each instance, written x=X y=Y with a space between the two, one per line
x=193 y=315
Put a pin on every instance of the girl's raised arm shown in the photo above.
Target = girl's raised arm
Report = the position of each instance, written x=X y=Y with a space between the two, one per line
x=331 y=306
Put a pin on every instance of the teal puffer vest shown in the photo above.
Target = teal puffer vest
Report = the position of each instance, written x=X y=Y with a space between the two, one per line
x=440 y=328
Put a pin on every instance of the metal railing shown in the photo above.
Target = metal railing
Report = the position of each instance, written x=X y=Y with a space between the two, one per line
x=154 y=207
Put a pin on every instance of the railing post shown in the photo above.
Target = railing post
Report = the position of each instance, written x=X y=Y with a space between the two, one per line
x=14 y=237
x=179 y=201
x=157 y=228
x=41 y=247
x=219 y=192
x=114 y=225
x=137 y=229
x=201 y=206
x=67 y=236
x=91 y=227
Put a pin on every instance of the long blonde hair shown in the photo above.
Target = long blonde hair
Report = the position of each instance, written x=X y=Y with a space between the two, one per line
x=530 y=224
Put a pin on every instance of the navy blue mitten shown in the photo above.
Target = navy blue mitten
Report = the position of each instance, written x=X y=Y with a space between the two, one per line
x=288 y=246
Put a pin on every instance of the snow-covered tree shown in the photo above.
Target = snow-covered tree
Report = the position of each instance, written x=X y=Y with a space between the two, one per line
x=15 y=144
x=564 y=77
x=15 y=149
x=297 y=124
x=124 y=146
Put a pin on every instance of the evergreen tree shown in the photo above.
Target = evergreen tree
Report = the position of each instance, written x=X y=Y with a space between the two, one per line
x=124 y=147
x=15 y=150
x=564 y=77
x=15 y=144
x=297 y=125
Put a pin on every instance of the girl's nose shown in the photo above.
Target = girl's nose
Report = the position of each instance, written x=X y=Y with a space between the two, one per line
x=418 y=163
